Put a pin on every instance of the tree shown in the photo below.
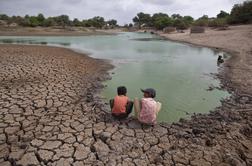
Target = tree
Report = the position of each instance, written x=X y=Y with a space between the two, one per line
x=125 y=25
x=50 y=21
x=97 y=22
x=204 y=17
x=62 y=20
x=218 y=22
x=222 y=14
x=161 y=20
x=33 y=21
x=41 y=19
x=76 y=22
x=155 y=16
x=176 y=16
x=112 y=23
x=180 y=24
x=202 y=21
x=4 y=17
x=188 y=19
x=142 y=19
x=241 y=13
x=27 y=16
x=85 y=23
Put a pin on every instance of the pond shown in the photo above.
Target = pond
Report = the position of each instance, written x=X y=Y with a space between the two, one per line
x=180 y=73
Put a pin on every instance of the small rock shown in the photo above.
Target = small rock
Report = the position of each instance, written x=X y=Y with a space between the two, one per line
x=64 y=162
x=11 y=130
x=49 y=145
x=78 y=163
x=128 y=132
x=101 y=148
x=45 y=155
x=5 y=163
x=47 y=128
x=40 y=103
x=81 y=152
x=36 y=142
x=104 y=136
x=65 y=151
x=28 y=159
x=16 y=155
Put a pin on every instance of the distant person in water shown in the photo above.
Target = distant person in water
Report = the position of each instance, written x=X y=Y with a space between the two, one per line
x=121 y=106
x=220 y=59
x=147 y=108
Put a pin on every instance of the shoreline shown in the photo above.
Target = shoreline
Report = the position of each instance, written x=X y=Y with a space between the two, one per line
x=50 y=31
x=76 y=128
x=236 y=52
x=221 y=75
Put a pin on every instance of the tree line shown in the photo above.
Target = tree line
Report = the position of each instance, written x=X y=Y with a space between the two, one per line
x=62 y=20
x=240 y=14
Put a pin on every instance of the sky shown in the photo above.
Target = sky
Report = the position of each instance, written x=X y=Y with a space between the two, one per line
x=121 y=10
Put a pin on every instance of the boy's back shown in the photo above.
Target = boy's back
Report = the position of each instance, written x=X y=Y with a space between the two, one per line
x=120 y=103
x=148 y=110
x=121 y=106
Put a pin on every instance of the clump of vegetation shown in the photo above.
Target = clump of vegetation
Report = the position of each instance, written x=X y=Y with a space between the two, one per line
x=62 y=20
x=240 y=14
x=218 y=22
x=202 y=21
x=161 y=20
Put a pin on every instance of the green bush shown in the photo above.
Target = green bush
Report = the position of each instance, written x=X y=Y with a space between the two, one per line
x=218 y=22
x=163 y=22
x=241 y=13
x=180 y=24
x=49 y=22
x=202 y=21
x=33 y=21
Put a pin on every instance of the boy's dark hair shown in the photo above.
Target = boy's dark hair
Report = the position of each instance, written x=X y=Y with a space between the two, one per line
x=121 y=90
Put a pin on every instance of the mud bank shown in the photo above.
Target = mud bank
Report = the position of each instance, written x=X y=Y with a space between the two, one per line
x=51 y=115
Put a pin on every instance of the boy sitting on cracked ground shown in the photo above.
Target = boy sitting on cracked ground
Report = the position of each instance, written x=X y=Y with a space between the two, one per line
x=147 y=108
x=121 y=105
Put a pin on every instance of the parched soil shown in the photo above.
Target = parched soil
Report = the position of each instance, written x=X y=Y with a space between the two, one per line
x=51 y=115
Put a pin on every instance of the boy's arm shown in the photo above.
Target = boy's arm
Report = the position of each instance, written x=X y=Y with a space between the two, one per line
x=111 y=103
x=159 y=105
x=128 y=99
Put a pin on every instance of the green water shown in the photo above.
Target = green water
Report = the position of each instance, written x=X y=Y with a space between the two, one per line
x=181 y=74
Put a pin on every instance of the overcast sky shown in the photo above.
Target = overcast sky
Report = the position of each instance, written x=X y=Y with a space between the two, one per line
x=121 y=10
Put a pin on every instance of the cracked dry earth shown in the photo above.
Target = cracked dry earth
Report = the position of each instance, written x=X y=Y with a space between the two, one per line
x=51 y=115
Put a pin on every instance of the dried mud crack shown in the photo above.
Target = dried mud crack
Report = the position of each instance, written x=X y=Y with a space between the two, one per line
x=51 y=115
